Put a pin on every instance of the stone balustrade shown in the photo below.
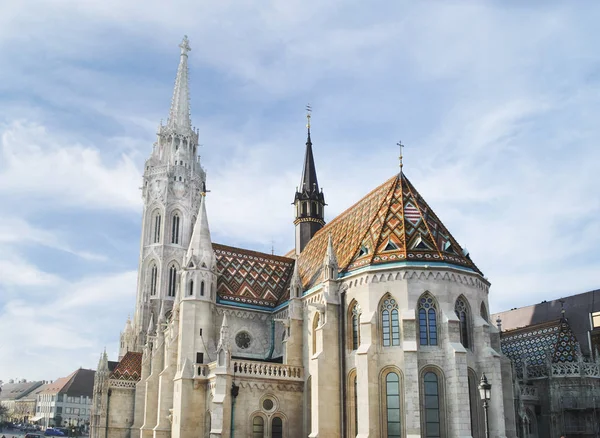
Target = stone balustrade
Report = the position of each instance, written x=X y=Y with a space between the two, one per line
x=529 y=392
x=201 y=370
x=265 y=370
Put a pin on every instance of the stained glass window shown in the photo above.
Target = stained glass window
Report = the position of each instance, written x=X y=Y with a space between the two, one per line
x=427 y=321
x=258 y=427
x=392 y=404
x=390 y=324
x=277 y=428
x=432 y=405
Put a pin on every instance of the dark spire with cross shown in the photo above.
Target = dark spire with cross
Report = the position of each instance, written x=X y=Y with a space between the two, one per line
x=309 y=199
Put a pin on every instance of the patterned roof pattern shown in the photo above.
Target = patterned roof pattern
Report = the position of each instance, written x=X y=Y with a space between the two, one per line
x=392 y=223
x=252 y=277
x=129 y=367
x=536 y=344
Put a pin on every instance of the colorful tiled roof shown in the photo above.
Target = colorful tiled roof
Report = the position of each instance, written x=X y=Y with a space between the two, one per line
x=252 y=277
x=537 y=344
x=129 y=367
x=393 y=223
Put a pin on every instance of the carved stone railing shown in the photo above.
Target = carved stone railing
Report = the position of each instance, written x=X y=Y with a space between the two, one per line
x=529 y=392
x=201 y=371
x=265 y=370
x=575 y=369
x=579 y=402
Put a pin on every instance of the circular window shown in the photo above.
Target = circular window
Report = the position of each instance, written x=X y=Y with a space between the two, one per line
x=268 y=404
x=243 y=340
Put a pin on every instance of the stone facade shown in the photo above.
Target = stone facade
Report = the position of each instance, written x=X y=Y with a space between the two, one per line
x=375 y=325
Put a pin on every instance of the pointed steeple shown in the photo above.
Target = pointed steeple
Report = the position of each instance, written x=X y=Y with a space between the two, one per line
x=330 y=263
x=200 y=253
x=296 y=283
x=179 y=116
x=150 y=331
x=309 y=200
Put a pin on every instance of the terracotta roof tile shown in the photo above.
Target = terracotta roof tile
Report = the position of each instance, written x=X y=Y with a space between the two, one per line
x=393 y=223
x=129 y=367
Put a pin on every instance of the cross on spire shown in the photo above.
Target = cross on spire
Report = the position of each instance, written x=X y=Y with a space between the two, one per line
x=308 y=113
x=401 y=146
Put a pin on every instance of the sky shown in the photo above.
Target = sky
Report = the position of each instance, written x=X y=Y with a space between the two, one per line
x=496 y=102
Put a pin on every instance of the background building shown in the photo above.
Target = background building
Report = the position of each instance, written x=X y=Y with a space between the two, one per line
x=66 y=401
x=19 y=400
x=554 y=348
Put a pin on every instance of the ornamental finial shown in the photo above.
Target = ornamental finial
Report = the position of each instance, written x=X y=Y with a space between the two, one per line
x=401 y=146
x=185 y=45
x=308 y=112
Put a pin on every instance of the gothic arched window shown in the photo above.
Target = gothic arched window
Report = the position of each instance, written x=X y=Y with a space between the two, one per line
x=172 y=280
x=427 y=320
x=153 y=279
x=191 y=288
x=202 y=288
x=462 y=312
x=432 y=405
x=353 y=403
x=314 y=332
x=175 y=227
x=277 y=427
x=392 y=406
x=390 y=324
x=156 y=228
x=355 y=312
x=258 y=427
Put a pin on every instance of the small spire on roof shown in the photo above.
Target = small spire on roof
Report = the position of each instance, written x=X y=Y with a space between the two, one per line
x=308 y=111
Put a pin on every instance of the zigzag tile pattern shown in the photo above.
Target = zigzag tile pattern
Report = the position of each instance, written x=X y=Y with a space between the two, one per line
x=129 y=368
x=252 y=277
x=392 y=223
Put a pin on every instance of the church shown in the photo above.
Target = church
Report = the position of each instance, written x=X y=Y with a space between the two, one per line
x=375 y=325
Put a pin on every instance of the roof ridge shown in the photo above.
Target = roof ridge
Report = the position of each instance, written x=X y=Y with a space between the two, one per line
x=252 y=252
x=384 y=199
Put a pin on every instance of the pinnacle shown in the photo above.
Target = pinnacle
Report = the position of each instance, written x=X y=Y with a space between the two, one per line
x=179 y=115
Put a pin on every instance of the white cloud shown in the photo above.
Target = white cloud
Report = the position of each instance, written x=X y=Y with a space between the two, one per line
x=46 y=169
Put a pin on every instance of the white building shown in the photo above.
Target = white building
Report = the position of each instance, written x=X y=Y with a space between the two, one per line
x=376 y=325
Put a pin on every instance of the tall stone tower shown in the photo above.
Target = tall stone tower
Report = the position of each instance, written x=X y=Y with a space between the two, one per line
x=309 y=202
x=173 y=179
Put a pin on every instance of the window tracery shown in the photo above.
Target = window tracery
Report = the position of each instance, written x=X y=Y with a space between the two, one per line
x=427 y=320
x=462 y=312
x=390 y=323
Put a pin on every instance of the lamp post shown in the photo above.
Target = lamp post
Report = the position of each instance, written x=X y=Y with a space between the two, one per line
x=485 y=391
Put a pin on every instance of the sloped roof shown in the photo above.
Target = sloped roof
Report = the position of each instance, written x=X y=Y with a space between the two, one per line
x=15 y=391
x=57 y=386
x=79 y=383
x=393 y=223
x=252 y=277
x=129 y=367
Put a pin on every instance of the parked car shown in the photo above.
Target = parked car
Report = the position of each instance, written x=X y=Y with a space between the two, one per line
x=33 y=435
x=64 y=430
x=53 y=432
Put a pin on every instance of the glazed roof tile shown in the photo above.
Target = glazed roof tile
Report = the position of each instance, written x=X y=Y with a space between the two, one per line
x=129 y=367
x=393 y=223
x=252 y=277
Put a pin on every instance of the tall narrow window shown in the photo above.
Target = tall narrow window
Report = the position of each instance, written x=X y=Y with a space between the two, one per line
x=355 y=320
x=153 y=279
x=352 y=420
x=314 y=332
x=462 y=312
x=483 y=312
x=175 y=228
x=432 y=405
x=474 y=402
x=392 y=405
x=355 y=405
x=258 y=427
x=390 y=324
x=427 y=321
x=202 y=288
x=156 y=235
x=277 y=428
x=172 y=280
x=191 y=288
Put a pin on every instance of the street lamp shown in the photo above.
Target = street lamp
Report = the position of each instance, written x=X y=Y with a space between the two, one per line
x=485 y=391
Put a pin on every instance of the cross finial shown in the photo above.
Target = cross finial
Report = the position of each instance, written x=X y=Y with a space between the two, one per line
x=185 y=45
x=401 y=146
x=308 y=112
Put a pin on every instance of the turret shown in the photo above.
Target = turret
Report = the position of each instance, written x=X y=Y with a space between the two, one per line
x=309 y=202
x=330 y=263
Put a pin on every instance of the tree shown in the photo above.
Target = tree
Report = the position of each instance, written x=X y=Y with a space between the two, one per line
x=3 y=412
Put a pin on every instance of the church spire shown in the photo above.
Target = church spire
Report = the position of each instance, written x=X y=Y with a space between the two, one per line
x=309 y=201
x=179 y=116
x=200 y=253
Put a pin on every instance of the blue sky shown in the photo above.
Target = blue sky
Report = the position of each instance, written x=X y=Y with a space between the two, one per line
x=496 y=102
